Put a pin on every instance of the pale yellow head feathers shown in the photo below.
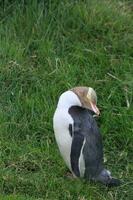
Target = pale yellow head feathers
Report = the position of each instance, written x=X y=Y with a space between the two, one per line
x=88 y=97
x=91 y=95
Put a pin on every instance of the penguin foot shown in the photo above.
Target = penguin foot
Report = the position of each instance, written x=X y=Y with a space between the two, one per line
x=70 y=175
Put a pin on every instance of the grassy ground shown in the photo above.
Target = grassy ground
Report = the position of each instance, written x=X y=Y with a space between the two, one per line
x=46 y=48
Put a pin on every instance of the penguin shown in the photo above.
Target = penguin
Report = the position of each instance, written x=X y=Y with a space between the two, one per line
x=78 y=137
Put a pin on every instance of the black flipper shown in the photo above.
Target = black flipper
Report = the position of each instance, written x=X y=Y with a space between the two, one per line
x=70 y=129
x=76 y=147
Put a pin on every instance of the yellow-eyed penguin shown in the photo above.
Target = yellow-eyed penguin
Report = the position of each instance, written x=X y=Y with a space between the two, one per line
x=78 y=136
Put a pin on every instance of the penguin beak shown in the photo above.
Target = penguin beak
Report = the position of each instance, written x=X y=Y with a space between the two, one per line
x=95 y=108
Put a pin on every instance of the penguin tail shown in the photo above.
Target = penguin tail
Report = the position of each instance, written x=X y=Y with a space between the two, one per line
x=105 y=178
x=113 y=182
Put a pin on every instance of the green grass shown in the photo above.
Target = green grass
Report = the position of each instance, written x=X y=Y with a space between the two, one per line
x=45 y=49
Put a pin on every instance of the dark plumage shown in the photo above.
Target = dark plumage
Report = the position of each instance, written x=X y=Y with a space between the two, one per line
x=85 y=129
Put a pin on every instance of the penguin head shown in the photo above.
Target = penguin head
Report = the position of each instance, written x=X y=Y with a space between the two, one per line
x=87 y=97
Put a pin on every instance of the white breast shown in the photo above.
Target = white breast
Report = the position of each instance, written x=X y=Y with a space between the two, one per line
x=61 y=122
